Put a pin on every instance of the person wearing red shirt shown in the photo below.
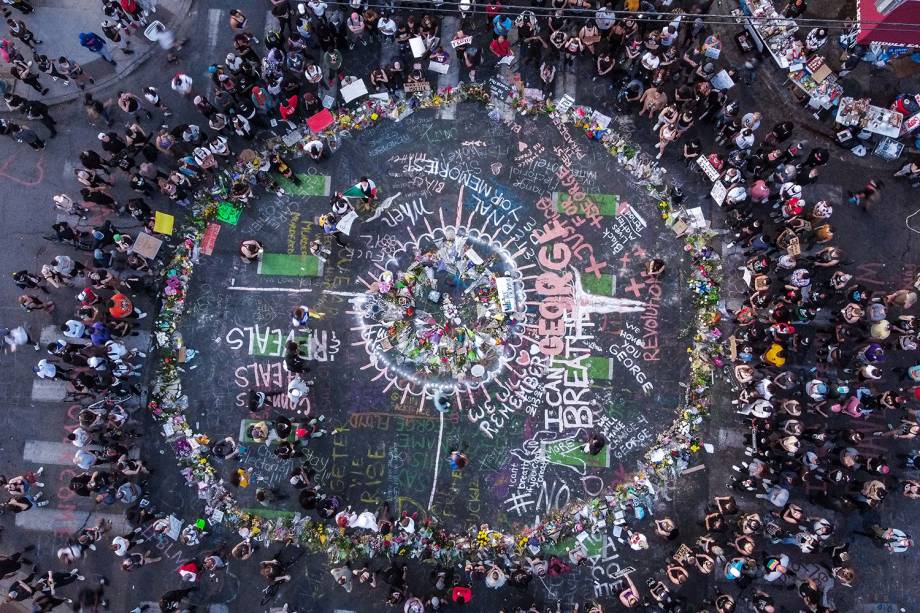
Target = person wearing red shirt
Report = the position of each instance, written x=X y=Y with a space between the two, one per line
x=288 y=108
x=121 y=307
x=500 y=47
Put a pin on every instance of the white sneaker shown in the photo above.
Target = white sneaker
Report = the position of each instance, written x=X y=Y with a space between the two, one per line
x=37 y=484
x=141 y=315
x=40 y=470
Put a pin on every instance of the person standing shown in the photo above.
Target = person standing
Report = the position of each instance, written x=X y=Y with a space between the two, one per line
x=22 y=134
x=21 y=71
x=36 y=110
x=18 y=337
x=113 y=32
x=93 y=42
x=18 y=29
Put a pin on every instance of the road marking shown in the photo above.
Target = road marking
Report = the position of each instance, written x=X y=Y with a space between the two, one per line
x=48 y=390
x=213 y=25
x=437 y=460
x=62 y=521
x=290 y=265
x=48 y=452
x=292 y=290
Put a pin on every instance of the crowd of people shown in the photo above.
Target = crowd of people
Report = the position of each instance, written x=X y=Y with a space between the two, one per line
x=805 y=456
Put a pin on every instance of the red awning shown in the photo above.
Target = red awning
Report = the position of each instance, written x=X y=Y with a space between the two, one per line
x=878 y=28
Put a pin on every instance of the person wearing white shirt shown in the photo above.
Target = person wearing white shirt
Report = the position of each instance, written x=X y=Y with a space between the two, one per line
x=318 y=7
x=79 y=437
x=73 y=329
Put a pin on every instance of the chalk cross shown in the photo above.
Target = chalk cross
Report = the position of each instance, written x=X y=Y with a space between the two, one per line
x=634 y=287
x=625 y=259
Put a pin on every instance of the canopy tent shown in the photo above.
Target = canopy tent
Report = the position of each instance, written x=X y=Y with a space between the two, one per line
x=878 y=27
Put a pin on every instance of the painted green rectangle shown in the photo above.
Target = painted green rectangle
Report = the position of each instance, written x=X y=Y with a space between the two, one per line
x=598 y=368
x=606 y=203
x=310 y=185
x=571 y=452
x=289 y=265
x=229 y=213
x=269 y=513
x=603 y=286
x=593 y=544
x=274 y=346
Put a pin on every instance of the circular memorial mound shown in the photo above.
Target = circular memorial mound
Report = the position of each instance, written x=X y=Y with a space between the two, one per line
x=496 y=300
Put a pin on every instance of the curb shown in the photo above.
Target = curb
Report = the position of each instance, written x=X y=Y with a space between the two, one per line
x=176 y=24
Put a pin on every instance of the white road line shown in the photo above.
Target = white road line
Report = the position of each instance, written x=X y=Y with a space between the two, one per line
x=213 y=25
x=291 y=290
x=333 y=292
x=48 y=452
x=437 y=461
x=67 y=522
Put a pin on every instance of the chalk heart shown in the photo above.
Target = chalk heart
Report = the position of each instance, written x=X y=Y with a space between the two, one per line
x=523 y=358
x=496 y=168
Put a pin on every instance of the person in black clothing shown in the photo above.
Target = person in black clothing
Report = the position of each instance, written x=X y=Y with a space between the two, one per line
x=35 y=110
x=293 y=360
x=26 y=280
x=93 y=161
x=172 y=600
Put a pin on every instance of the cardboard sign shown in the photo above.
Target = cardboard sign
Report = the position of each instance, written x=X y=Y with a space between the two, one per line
x=438 y=67
x=718 y=192
x=417 y=45
x=163 y=223
x=498 y=89
x=712 y=52
x=209 y=239
x=761 y=283
x=707 y=168
x=146 y=245
x=466 y=40
x=683 y=553
x=794 y=247
x=721 y=80
x=565 y=103
x=320 y=121
x=344 y=225
x=417 y=86
x=353 y=91
x=599 y=119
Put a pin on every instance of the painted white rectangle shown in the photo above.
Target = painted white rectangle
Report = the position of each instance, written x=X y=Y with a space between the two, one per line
x=48 y=452
x=213 y=25
x=286 y=290
x=48 y=390
x=68 y=522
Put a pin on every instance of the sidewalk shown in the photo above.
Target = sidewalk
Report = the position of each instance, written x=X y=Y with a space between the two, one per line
x=59 y=23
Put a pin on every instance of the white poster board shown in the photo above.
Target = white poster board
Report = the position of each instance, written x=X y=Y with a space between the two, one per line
x=353 y=90
x=418 y=46
x=438 y=67
x=718 y=192
x=721 y=80
x=344 y=225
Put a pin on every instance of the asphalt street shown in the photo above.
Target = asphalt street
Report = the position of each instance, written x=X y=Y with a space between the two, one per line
x=373 y=462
